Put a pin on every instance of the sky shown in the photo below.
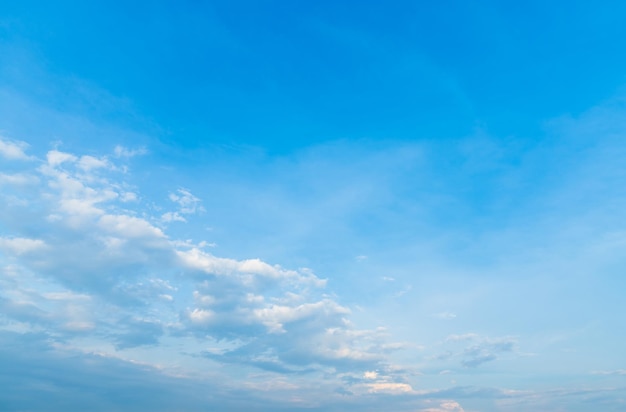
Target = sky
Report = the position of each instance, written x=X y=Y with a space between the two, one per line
x=312 y=206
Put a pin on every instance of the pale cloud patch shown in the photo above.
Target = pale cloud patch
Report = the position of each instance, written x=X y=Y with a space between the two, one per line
x=67 y=296
x=445 y=406
x=462 y=337
x=13 y=150
x=79 y=326
x=172 y=217
x=128 y=197
x=18 y=179
x=88 y=163
x=245 y=269
x=391 y=388
x=56 y=158
x=129 y=227
x=445 y=315
x=618 y=372
x=404 y=291
x=187 y=202
x=121 y=151
x=201 y=316
x=372 y=375
x=477 y=350
x=20 y=245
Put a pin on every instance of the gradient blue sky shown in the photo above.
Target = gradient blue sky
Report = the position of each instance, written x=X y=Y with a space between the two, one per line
x=317 y=206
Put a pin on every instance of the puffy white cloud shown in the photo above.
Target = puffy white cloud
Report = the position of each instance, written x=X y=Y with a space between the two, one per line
x=274 y=316
x=56 y=158
x=246 y=270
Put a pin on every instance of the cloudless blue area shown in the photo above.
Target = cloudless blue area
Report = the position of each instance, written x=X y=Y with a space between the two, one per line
x=282 y=75
x=312 y=205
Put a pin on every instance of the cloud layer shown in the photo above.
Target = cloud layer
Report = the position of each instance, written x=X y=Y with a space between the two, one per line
x=84 y=271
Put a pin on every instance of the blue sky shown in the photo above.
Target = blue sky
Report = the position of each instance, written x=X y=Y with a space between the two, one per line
x=320 y=206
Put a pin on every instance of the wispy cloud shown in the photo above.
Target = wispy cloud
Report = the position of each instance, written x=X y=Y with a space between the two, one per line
x=124 y=152
x=474 y=350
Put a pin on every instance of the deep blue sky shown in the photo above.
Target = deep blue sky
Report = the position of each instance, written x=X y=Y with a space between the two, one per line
x=282 y=75
x=323 y=205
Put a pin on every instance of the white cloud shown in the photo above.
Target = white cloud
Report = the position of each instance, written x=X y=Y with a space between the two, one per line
x=275 y=316
x=245 y=269
x=187 y=202
x=56 y=158
x=370 y=375
x=128 y=197
x=20 y=245
x=13 y=150
x=172 y=217
x=88 y=163
x=391 y=388
x=201 y=316
x=129 y=227
x=111 y=270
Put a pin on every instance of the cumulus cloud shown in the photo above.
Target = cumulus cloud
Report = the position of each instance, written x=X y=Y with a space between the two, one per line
x=101 y=270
